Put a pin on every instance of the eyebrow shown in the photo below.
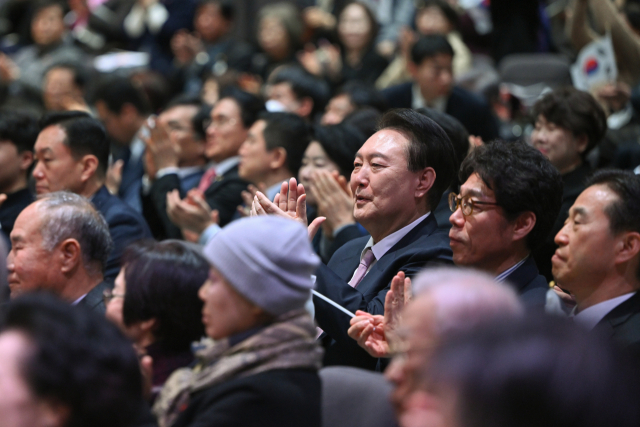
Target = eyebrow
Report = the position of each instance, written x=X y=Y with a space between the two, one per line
x=579 y=211
x=47 y=149
x=473 y=192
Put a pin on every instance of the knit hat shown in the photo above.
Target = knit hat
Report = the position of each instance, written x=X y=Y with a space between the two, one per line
x=267 y=259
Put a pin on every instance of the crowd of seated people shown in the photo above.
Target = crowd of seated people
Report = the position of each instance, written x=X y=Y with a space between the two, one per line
x=319 y=213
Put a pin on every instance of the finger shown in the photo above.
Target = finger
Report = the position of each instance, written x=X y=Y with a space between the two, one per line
x=293 y=196
x=259 y=208
x=282 y=200
x=215 y=216
x=408 y=290
x=247 y=197
x=315 y=226
x=243 y=211
x=276 y=199
x=253 y=208
x=252 y=189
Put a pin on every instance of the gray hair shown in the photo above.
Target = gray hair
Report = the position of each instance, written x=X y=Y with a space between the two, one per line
x=69 y=215
x=465 y=298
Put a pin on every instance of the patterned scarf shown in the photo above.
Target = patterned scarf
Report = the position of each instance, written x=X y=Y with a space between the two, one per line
x=287 y=343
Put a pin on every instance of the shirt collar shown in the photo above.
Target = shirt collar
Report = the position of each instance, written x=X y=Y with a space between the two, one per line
x=384 y=245
x=417 y=101
x=273 y=190
x=224 y=166
x=500 y=277
x=591 y=316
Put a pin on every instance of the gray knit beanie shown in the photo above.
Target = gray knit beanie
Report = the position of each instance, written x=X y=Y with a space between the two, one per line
x=267 y=259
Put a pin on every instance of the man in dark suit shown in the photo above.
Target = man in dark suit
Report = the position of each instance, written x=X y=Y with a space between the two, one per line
x=123 y=109
x=508 y=202
x=175 y=147
x=72 y=155
x=399 y=176
x=221 y=186
x=432 y=87
x=60 y=243
x=598 y=258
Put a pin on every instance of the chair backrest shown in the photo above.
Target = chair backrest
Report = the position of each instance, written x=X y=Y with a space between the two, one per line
x=526 y=69
x=356 y=398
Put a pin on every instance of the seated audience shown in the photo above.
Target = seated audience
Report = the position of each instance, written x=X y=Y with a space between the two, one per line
x=155 y=303
x=508 y=202
x=326 y=164
x=24 y=72
x=60 y=243
x=529 y=372
x=18 y=133
x=176 y=145
x=261 y=367
x=352 y=97
x=432 y=86
x=355 y=58
x=63 y=88
x=399 y=176
x=568 y=124
x=123 y=109
x=72 y=154
x=447 y=301
x=598 y=257
x=65 y=367
x=221 y=186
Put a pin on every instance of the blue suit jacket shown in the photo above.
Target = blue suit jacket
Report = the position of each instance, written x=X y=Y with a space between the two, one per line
x=529 y=284
x=622 y=325
x=425 y=245
x=125 y=226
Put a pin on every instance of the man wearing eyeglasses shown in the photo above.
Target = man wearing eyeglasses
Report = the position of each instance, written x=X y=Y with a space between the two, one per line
x=508 y=202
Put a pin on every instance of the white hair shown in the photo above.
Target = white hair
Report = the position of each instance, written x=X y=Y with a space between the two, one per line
x=465 y=298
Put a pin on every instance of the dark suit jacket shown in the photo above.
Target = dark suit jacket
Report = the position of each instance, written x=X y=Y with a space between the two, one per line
x=131 y=183
x=622 y=325
x=223 y=194
x=94 y=300
x=530 y=285
x=125 y=226
x=154 y=205
x=426 y=244
x=278 y=398
x=472 y=111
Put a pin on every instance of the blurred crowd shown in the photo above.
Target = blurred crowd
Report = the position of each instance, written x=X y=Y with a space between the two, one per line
x=415 y=213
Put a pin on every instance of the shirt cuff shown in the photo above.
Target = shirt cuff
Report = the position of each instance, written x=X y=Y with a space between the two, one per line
x=208 y=234
x=166 y=171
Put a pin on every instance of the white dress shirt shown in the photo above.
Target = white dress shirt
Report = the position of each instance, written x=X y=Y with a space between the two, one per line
x=589 y=317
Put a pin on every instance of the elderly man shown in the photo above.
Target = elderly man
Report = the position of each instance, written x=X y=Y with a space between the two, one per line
x=598 y=258
x=448 y=300
x=398 y=178
x=508 y=202
x=72 y=154
x=60 y=243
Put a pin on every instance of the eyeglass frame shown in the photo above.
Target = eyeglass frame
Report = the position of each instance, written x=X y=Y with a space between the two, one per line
x=108 y=295
x=218 y=122
x=458 y=203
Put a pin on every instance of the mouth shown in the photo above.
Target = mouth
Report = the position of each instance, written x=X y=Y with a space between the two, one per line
x=41 y=189
x=454 y=240
x=557 y=258
x=360 y=200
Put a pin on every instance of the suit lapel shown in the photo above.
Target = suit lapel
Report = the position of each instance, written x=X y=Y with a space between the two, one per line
x=619 y=315
x=217 y=182
x=523 y=275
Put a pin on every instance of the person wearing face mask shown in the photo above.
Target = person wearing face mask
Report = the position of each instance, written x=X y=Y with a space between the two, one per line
x=569 y=124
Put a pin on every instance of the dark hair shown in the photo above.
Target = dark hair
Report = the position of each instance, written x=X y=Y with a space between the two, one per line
x=198 y=119
x=632 y=12
x=304 y=85
x=429 y=146
x=80 y=75
x=576 y=111
x=78 y=360
x=624 y=213
x=522 y=179
x=373 y=21
x=20 y=128
x=250 y=105
x=430 y=46
x=364 y=119
x=537 y=371
x=457 y=134
x=362 y=95
x=84 y=135
x=289 y=131
x=226 y=8
x=341 y=142
x=40 y=5
x=198 y=122
x=115 y=92
x=447 y=10
x=163 y=279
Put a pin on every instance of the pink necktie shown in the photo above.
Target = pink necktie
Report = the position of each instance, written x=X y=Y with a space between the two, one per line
x=362 y=268
x=207 y=179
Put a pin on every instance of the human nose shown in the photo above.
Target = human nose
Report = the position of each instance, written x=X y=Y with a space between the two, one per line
x=562 y=239
x=37 y=170
x=457 y=218
x=395 y=370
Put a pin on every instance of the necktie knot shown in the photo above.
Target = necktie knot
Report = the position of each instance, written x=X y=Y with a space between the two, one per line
x=365 y=262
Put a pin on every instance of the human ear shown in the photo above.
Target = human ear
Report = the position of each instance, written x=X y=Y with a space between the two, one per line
x=582 y=141
x=306 y=107
x=26 y=159
x=278 y=158
x=523 y=225
x=70 y=254
x=89 y=167
x=426 y=179
x=628 y=247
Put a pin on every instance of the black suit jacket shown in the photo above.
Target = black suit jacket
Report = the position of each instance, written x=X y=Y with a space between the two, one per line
x=530 y=284
x=223 y=194
x=125 y=226
x=94 y=299
x=622 y=325
x=472 y=111
x=426 y=244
